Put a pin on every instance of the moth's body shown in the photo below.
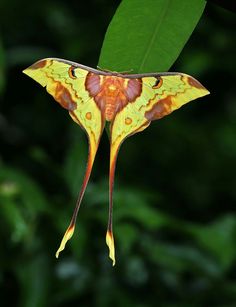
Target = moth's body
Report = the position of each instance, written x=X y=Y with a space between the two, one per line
x=112 y=93
x=129 y=102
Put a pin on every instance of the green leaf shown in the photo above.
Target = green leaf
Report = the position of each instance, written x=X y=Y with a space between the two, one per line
x=34 y=278
x=181 y=257
x=149 y=35
x=21 y=200
x=218 y=238
x=13 y=216
x=14 y=183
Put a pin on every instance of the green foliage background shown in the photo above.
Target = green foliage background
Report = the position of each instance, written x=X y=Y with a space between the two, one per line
x=174 y=215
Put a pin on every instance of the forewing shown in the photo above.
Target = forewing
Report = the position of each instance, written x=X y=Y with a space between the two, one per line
x=161 y=95
x=66 y=82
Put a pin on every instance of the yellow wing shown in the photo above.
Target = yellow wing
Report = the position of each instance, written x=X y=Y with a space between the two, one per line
x=66 y=84
x=160 y=95
x=65 y=81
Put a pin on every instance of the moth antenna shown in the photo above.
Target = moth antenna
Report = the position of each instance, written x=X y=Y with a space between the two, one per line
x=115 y=72
x=104 y=69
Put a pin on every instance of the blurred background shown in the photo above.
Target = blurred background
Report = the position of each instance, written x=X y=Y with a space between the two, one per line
x=175 y=189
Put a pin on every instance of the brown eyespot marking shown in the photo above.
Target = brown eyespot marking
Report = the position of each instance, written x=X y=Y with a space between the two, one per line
x=88 y=115
x=128 y=121
x=71 y=72
x=158 y=83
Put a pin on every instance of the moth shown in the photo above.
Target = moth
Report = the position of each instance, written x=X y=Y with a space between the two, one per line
x=130 y=102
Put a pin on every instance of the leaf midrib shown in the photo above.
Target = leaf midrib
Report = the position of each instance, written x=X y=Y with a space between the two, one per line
x=159 y=22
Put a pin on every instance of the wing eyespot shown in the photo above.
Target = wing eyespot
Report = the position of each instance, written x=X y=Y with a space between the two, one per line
x=71 y=72
x=128 y=121
x=158 y=83
x=88 y=115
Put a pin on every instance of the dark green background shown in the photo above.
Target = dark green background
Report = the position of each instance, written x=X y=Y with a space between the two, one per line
x=175 y=195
